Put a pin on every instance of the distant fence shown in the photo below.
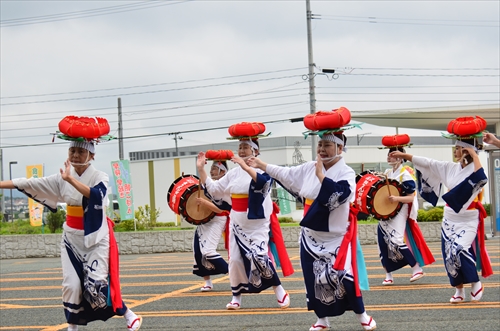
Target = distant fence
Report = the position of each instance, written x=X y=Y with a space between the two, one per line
x=49 y=245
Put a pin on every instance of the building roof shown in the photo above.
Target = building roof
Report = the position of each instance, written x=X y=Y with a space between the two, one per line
x=436 y=118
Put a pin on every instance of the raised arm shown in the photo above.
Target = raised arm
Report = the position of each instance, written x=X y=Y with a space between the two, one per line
x=251 y=171
x=255 y=162
x=319 y=169
x=475 y=158
x=490 y=138
x=66 y=175
x=200 y=166
x=8 y=184
x=402 y=155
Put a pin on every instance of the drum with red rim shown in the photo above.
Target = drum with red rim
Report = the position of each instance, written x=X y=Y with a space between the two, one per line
x=372 y=192
x=182 y=200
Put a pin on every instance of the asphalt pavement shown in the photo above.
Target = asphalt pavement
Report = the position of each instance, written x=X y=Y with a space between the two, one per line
x=162 y=289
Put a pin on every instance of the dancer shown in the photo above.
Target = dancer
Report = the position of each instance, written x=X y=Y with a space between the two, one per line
x=207 y=260
x=89 y=253
x=462 y=229
x=331 y=259
x=250 y=269
x=395 y=253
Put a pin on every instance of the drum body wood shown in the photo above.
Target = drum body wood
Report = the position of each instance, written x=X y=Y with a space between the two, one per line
x=372 y=194
x=181 y=198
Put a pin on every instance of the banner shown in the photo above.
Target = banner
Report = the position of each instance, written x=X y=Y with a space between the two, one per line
x=35 y=208
x=123 y=183
x=284 y=201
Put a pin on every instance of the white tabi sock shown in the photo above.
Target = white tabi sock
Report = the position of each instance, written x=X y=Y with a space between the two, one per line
x=363 y=318
x=416 y=268
x=236 y=299
x=459 y=292
x=323 y=321
x=130 y=316
x=72 y=327
x=388 y=276
x=280 y=292
x=208 y=282
x=476 y=287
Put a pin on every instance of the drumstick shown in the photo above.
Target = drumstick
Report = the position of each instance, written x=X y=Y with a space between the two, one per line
x=388 y=185
x=199 y=195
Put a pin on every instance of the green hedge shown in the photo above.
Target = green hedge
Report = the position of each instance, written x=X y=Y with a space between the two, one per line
x=434 y=214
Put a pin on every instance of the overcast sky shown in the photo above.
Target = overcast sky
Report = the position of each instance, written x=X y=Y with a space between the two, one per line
x=200 y=65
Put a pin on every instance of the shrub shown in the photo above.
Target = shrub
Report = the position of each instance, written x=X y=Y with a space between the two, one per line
x=128 y=225
x=146 y=216
x=284 y=219
x=19 y=227
x=434 y=214
x=55 y=220
x=487 y=207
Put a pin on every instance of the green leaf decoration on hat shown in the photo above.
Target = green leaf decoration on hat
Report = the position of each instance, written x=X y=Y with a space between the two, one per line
x=60 y=135
x=403 y=145
x=249 y=137
x=454 y=136
x=329 y=131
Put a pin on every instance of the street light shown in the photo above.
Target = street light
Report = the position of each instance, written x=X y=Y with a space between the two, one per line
x=10 y=177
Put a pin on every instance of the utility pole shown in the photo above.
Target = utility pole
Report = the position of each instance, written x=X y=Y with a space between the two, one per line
x=120 y=130
x=1 y=179
x=312 y=95
x=176 y=137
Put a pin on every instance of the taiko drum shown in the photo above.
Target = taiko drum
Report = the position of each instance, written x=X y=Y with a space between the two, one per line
x=372 y=195
x=181 y=198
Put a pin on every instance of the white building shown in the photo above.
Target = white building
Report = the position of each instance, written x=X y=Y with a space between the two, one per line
x=153 y=171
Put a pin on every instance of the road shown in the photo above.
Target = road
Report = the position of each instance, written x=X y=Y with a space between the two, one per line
x=162 y=289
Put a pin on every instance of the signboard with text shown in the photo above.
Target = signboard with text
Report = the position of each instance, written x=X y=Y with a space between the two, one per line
x=35 y=208
x=284 y=201
x=123 y=183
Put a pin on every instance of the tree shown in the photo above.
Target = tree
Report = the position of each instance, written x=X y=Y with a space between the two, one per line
x=55 y=220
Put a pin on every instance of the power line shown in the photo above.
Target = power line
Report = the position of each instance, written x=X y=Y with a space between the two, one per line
x=149 y=92
x=169 y=116
x=86 y=13
x=157 y=84
x=158 y=134
x=408 y=19
x=375 y=20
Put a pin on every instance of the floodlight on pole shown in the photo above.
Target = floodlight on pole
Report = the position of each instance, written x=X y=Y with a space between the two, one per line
x=10 y=177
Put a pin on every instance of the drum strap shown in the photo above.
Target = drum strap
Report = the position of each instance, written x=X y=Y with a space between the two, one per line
x=74 y=217
x=239 y=202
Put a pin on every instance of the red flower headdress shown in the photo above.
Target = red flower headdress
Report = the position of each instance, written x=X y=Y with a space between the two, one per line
x=80 y=128
x=398 y=140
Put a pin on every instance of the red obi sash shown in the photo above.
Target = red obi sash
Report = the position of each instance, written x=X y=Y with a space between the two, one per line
x=74 y=217
x=239 y=202
x=277 y=239
x=350 y=239
x=114 y=270
x=486 y=269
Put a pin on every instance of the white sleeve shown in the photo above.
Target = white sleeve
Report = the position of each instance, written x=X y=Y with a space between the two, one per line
x=291 y=177
x=45 y=190
x=218 y=188
x=434 y=169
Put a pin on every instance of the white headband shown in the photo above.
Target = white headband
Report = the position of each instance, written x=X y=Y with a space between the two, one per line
x=251 y=143
x=464 y=144
x=220 y=165
x=334 y=139
x=83 y=144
